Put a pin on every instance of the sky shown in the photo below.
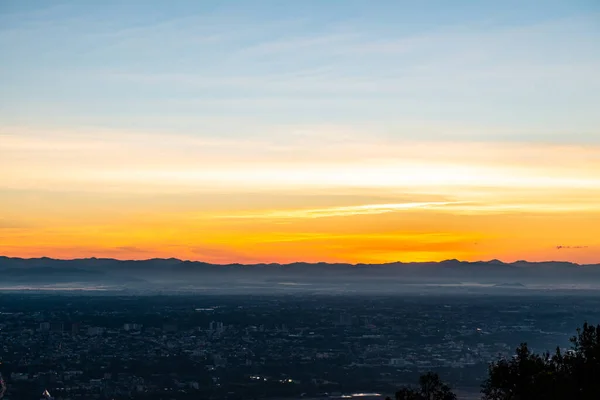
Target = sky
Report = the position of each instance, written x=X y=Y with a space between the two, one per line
x=278 y=131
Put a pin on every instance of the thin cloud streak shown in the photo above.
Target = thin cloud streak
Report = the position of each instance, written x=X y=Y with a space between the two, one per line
x=367 y=209
x=459 y=207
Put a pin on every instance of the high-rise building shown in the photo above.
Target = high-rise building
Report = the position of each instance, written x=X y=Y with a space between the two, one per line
x=345 y=319
x=45 y=326
x=216 y=327
x=132 y=327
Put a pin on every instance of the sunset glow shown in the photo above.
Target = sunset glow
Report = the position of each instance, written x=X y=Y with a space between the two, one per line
x=352 y=152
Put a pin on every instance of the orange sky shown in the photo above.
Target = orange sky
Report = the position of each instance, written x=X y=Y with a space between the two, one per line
x=131 y=195
x=241 y=132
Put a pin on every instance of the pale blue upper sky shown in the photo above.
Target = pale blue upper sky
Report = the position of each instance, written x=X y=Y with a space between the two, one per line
x=474 y=70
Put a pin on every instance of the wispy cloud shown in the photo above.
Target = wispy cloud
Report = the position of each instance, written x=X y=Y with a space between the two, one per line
x=295 y=44
x=498 y=58
x=570 y=247
x=476 y=208
x=299 y=156
x=453 y=207
x=366 y=209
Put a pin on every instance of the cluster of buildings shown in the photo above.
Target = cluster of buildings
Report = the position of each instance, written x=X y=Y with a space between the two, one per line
x=279 y=347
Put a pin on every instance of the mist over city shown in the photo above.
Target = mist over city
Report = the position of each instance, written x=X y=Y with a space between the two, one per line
x=299 y=199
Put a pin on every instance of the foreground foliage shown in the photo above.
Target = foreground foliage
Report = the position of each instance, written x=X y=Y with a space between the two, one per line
x=573 y=375
x=431 y=387
x=570 y=375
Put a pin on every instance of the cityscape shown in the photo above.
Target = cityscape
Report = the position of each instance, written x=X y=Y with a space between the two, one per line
x=299 y=200
x=259 y=346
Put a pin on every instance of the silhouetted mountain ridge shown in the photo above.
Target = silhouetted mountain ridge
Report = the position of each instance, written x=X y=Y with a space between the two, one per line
x=176 y=273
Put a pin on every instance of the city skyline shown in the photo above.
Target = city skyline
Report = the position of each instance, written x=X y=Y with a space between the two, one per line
x=252 y=131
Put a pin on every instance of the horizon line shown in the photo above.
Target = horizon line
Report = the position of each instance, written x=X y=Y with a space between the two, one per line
x=494 y=260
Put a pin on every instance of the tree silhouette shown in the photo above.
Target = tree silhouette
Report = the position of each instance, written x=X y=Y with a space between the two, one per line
x=573 y=375
x=431 y=387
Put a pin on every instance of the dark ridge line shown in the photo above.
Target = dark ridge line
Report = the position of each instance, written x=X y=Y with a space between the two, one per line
x=296 y=263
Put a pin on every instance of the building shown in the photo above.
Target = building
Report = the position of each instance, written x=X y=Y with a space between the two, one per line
x=216 y=327
x=132 y=327
x=398 y=362
x=75 y=327
x=57 y=327
x=94 y=331
x=345 y=319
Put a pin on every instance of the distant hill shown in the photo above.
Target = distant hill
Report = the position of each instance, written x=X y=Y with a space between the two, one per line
x=175 y=274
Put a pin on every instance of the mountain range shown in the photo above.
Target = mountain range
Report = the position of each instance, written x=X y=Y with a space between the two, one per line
x=175 y=274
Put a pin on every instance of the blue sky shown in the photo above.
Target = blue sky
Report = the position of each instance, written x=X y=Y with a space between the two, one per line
x=360 y=131
x=480 y=70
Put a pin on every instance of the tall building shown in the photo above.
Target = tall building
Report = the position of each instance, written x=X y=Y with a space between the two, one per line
x=57 y=327
x=132 y=327
x=75 y=327
x=45 y=326
x=216 y=327
x=345 y=319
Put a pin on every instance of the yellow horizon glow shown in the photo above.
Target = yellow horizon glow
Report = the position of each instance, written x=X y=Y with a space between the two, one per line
x=325 y=196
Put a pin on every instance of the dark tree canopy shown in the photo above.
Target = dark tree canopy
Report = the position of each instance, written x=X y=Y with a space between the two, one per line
x=431 y=387
x=574 y=375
